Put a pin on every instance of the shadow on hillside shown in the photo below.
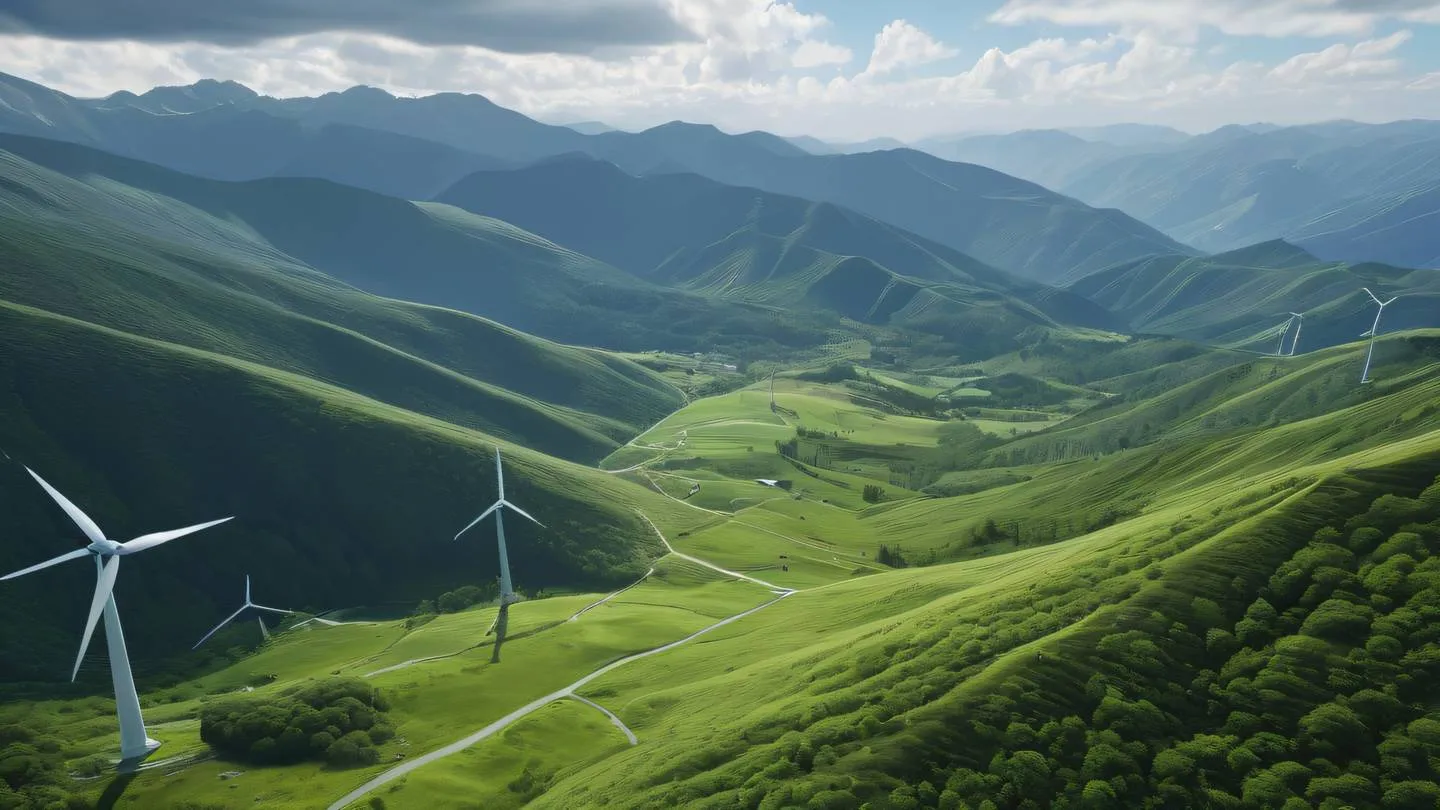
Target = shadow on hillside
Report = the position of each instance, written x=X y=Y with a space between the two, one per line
x=115 y=790
x=502 y=621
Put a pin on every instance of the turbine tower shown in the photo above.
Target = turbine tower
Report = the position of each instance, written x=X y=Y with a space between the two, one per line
x=1299 y=322
x=135 y=744
x=1373 y=333
x=507 y=594
x=264 y=631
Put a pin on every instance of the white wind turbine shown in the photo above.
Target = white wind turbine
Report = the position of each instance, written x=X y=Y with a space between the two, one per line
x=134 y=742
x=507 y=594
x=264 y=631
x=1299 y=322
x=1284 y=331
x=1373 y=333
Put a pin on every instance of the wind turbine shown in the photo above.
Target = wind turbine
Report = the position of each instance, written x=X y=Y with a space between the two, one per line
x=1299 y=322
x=1373 y=333
x=1284 y=330
x=248 y=604
x=507 y=595
x=134 y=742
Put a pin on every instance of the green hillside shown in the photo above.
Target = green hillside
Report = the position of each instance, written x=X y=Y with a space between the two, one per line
x=849 y=687
x=1242 y=299
x=149 y=265
x=438 y=255
x=165 y=433
x=745 y=244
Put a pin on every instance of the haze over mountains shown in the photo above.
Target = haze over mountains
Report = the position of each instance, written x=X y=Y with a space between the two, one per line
x=1343 y=190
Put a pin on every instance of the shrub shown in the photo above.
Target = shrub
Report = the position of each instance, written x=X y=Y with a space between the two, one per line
x=323 y=721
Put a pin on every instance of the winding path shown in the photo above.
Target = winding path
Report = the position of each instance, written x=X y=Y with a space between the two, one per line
x=614 y=720
x=569 y=691
x=602 y=600
x=712 y=566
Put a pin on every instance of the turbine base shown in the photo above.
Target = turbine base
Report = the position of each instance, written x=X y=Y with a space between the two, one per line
x=130 y=761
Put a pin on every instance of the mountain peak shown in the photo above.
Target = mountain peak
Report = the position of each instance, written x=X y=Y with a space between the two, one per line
x=1275 y=253
x=364 y=92
x=220 y=92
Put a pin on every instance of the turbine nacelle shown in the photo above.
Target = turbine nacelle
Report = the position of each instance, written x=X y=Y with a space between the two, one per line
x=500 y=502
x=248 y=605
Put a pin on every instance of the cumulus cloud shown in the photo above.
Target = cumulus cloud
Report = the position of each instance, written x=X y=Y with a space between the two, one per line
x=1270 y=18
x=816 y=53
x=563 y=26
x=900 y=45
x=1343 y=61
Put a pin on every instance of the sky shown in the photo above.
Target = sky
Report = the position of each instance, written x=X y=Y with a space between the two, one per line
x=841 y=70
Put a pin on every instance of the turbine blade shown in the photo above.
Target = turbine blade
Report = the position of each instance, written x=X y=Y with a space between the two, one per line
x=76 y=514
x=483 y=515
x=524 y=514
x=499 y=475
x=73 y=555
x=1391 y=301
x=103 y=588
x=247 y=589
x=145 y=541
x=272 y=610
x=1372 y=295
x=228 y=619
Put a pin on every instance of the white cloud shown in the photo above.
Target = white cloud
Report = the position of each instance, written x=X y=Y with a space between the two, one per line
x=816 y=53
x=900 y=45
x=759 y=64
x=1268 y=18
x=1343 y=61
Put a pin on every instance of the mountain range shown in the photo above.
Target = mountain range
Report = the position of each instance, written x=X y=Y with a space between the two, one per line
x=368 y=138
x=1344 y=190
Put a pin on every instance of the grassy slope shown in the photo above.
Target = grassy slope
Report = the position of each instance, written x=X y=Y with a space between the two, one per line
x=855 y=642
x=153 y=266
x=747 y=244
x=891 y=671
x=165 y=433
x=1242 y=299
x=442 y=256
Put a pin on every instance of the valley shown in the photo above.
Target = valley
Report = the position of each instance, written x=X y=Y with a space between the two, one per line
x=855 y=477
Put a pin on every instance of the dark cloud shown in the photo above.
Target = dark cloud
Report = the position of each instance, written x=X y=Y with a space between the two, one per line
x=515 y=26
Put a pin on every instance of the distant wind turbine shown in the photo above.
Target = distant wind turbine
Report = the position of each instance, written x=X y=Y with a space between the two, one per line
x=1299 y=322
x=134 y=742
x=264 y=631
x=1374 y=332
x=507 y=593
x=1284 y=330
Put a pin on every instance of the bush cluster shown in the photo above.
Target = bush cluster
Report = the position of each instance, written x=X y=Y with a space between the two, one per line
x=338 y=721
